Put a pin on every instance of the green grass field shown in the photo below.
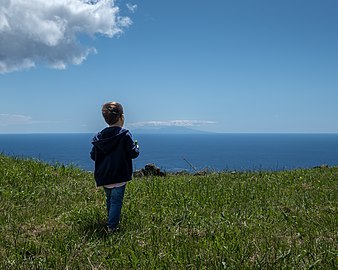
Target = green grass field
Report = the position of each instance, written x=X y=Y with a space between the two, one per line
x=53 y=217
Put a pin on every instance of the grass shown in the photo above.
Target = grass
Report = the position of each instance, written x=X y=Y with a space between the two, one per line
x=53 y=217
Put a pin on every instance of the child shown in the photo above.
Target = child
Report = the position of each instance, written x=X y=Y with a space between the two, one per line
x=113 y=151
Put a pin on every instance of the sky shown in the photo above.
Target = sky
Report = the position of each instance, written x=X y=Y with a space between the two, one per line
x=232 y=66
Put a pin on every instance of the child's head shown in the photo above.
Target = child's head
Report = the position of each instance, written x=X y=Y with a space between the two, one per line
x=112 y=113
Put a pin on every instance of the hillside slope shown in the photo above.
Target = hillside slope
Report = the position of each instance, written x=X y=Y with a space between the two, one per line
x=53 y=217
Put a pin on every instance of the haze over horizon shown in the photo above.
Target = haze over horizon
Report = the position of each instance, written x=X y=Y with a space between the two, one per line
x=228 y=66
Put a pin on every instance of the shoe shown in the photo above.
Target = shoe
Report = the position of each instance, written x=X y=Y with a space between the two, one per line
x=110 y=230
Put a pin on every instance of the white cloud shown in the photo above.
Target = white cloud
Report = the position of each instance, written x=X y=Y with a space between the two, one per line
x=19 y=119
x=39 y=31
x=14 y=119
x=132 y=7
x=173 y=123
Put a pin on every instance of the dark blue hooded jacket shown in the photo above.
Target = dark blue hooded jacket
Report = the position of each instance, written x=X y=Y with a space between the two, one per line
x=113 y=151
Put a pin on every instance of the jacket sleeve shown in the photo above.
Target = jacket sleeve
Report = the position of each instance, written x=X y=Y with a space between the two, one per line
x=92 y=153
x=131 y=147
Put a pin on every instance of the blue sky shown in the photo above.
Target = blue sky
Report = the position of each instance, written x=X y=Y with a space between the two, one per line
x=220 y=65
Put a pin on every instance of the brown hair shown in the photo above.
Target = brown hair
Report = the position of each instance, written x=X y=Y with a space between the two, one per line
x=111 y=112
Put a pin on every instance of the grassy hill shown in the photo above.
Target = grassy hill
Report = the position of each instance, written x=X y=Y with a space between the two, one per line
x=53 y=217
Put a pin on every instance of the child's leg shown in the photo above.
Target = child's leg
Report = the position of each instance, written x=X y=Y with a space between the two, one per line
x=114 y=200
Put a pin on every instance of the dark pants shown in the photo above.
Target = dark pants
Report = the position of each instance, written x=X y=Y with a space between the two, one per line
x=114 y=200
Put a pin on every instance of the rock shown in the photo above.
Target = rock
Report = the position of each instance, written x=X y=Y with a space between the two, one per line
x=323 y=166
x=183 y=172
x=149 y=170
x=138 y=173
x=201 y=173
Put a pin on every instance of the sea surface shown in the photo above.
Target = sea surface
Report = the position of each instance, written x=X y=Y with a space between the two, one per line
x=190 y=152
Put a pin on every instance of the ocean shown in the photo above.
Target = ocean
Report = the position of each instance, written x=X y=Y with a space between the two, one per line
x=216 y=152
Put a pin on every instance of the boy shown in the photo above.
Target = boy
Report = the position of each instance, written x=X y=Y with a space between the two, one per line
x=113 y=151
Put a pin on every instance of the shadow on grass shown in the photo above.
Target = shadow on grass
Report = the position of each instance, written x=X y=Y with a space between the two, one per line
x=98 y=229
x=94 y=229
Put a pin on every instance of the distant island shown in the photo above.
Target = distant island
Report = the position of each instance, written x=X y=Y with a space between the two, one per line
x=168 y=130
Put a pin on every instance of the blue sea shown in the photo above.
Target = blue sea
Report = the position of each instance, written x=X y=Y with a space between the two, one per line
x=217 y=152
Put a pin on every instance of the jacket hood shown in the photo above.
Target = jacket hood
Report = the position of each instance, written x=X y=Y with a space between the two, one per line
x=107 y=139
